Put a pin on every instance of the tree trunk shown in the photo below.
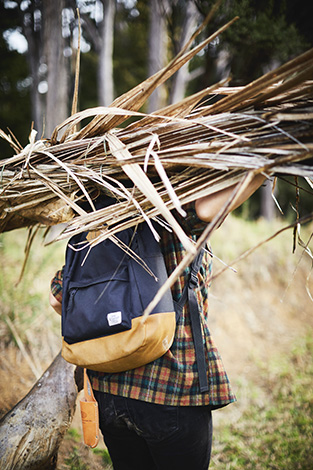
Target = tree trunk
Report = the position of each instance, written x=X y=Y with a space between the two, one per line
x=181 y=77
x=57 y=101
x=157 y=50
x=267 y=203
x=34 y=53
x=31 y=433
x=105 y=52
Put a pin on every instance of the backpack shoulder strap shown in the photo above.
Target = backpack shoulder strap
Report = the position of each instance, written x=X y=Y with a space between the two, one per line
x=194 y=268
x=190 y=294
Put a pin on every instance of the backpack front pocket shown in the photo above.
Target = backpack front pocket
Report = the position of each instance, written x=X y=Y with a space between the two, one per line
x=97 y=308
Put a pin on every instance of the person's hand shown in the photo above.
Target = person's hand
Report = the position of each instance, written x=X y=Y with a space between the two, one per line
x=208 y=207
x=55 y=304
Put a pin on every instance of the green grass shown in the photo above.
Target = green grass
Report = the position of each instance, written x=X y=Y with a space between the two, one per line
x=236 y=236
x=77 y=461
x=26 y=303
x=74 y=461
x=278 y=435
x=106 y=459
x=73 y=434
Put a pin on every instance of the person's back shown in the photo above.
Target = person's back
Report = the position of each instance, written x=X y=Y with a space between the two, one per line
x=155 y=416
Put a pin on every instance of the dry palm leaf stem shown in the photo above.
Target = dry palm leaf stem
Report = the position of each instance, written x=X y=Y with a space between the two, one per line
x=192 y=148
x=226 y=142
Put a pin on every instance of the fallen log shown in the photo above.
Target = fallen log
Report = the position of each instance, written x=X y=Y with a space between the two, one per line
x=31 y=433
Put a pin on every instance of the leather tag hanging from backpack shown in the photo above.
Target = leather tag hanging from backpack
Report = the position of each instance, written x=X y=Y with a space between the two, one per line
x=90 y=414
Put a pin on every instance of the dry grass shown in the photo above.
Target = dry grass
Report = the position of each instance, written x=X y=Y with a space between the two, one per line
x=255 y=317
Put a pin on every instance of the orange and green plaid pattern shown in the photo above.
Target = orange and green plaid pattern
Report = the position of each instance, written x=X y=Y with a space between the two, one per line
x=173 y=378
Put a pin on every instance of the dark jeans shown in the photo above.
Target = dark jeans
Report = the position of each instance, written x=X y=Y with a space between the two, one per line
x=145 y=436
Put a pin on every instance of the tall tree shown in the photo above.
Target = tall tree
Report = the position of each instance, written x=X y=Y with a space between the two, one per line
x=30 y=19
x=188 y=15
x=157 y=45
x=105 y=50
x=41 y=24
x=99 y=29
x=57 y=101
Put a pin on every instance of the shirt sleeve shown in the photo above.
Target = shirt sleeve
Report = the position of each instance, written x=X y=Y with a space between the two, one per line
x=57 y=284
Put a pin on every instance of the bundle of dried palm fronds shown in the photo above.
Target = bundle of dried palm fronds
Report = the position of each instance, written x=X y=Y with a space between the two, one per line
x=162 y=160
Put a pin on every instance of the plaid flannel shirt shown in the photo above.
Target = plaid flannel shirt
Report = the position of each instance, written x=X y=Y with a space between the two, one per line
x=173 y=378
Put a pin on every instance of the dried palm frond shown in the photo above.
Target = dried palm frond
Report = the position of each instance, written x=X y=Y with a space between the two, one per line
x=165 y=159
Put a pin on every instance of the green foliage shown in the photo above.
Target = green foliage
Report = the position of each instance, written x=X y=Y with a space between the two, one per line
x=106 y=459
x=130 y=46
x=266 y=34
x=260 y=37
x=81 y=459
x=299 y=12
x=73 y=433
x=278 y=435
x=74 y=461
x=88 y=90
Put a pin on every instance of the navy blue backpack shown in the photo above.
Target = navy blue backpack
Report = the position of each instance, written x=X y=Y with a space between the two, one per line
x=105 y=292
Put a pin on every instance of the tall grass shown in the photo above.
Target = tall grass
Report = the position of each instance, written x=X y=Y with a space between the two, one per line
x=26 y=319
x=262 y=321
x=278 y=435
x=271 y=425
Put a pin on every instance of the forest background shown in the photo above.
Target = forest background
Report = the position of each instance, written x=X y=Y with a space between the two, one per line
x=123 y=42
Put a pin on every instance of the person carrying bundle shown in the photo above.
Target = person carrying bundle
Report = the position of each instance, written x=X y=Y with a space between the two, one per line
x=158 y=415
